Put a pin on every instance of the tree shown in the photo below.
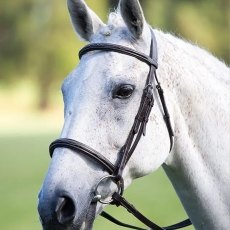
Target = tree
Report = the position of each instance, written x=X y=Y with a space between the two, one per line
x=37 y=40
x=13 y=41
x=32 y=46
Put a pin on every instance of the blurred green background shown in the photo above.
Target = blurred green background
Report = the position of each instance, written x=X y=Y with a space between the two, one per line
x=37 y=50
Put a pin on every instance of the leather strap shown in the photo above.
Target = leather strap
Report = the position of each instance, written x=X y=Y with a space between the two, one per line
x=109 y=47
x=166 y=115
x=117 y=222
x=82 y=149
x=179 y=225
x=121 y=201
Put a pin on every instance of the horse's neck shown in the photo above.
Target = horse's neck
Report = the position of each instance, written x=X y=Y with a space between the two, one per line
x=198 y=167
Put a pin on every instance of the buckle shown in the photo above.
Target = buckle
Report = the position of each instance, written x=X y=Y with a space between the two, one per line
x=148 y=91
x=108 y=199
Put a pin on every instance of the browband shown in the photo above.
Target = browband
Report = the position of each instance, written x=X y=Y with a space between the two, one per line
x=119 y=49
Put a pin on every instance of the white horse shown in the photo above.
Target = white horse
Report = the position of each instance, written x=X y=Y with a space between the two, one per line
x=197 y=91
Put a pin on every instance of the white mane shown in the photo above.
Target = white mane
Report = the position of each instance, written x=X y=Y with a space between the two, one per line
x=115 y=19
x=197 y=60
x=192 y=56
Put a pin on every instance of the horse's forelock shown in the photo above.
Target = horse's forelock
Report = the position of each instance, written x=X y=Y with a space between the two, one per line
x=115 y=19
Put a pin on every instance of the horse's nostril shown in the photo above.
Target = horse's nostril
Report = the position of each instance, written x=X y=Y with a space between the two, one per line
x=65 y=210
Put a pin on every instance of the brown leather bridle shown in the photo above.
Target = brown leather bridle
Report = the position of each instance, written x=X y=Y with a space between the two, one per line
x=138 y=129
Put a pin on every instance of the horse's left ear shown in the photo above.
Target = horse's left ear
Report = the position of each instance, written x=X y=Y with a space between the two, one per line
x=85 y=22
x=133 y=16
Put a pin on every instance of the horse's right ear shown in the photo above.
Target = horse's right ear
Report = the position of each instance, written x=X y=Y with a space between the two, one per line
x=133 y=16
x=85 y=22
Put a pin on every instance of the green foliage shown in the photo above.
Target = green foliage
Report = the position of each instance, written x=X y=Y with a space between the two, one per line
x=13 y=46
x=37 y=40
x=205 y=22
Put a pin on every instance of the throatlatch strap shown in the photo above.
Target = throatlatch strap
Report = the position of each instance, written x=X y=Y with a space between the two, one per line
x=166 y=115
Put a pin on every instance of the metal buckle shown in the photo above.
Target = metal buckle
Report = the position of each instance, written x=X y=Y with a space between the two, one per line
x=120 y=189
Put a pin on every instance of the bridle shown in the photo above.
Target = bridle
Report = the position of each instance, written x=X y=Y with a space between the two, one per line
x=138 y=129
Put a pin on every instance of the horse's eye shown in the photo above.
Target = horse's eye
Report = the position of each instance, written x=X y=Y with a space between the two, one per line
x=123 y=91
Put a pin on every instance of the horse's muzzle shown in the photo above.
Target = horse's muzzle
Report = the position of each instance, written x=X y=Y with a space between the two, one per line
x=60 y=211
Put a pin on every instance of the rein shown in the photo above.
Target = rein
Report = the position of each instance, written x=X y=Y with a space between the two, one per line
x=138 y=129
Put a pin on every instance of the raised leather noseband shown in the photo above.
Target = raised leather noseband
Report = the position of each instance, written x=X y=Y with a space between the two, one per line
x=82 y=149
x=138 y=129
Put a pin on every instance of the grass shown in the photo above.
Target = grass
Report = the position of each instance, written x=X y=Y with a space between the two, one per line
x=22 y=167
x=24 y=162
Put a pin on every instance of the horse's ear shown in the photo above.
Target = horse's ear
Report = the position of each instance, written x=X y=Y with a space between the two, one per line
x=133 y=16
x=84 y=20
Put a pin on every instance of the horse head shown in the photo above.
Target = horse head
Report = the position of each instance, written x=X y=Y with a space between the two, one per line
x=101 y=98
